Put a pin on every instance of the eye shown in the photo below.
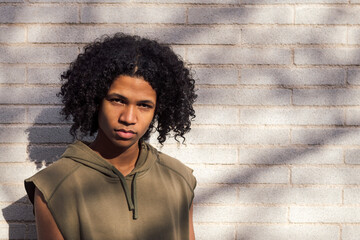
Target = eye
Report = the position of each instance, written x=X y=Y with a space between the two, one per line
x=146 y=106
x=117 y=100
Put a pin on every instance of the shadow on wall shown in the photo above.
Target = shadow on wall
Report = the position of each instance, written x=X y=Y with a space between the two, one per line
x=46 y=143
x=20 y=218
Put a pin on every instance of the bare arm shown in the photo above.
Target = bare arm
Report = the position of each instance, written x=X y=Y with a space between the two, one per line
x=191 y=224
x=45 y=224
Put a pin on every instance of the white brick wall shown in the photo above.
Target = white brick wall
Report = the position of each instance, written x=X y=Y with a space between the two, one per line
x=275 y=146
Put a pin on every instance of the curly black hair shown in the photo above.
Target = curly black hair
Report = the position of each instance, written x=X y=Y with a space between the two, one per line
x=89 y=77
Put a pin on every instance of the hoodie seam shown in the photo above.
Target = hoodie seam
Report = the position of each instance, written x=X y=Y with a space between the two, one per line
x=62 y=180
x=188 y=184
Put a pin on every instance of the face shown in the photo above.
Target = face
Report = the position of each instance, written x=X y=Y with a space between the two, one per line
x=126 y=112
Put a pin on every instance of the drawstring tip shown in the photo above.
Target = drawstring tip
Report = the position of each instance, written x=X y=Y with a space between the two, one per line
x=135 y=214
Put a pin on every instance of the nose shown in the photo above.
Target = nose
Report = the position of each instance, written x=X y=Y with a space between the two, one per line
x=128 y=115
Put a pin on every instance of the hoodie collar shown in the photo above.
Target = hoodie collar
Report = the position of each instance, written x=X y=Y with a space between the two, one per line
x=82 y=153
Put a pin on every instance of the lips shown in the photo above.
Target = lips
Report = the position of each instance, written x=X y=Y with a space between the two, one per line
x=126 y=134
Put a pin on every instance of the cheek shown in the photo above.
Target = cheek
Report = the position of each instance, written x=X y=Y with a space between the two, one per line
x=102 y=121
x=105 y=120
x=147 y=121
x=152 y=117
x=151 y=120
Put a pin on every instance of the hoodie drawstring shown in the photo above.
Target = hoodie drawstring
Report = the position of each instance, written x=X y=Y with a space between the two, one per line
x=130 y=198
x=134 y=198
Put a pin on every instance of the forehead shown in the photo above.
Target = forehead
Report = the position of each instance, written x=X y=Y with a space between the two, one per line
x=126 y=85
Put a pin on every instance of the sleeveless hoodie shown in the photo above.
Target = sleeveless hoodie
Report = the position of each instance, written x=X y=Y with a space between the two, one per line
x=90 y=199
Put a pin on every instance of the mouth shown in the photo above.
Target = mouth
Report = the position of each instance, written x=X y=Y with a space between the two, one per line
x=125 y=134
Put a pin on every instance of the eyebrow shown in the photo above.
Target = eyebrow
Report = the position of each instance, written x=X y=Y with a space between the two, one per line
x=125 y=98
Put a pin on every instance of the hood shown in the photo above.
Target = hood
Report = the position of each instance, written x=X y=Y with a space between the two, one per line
x=82 y=153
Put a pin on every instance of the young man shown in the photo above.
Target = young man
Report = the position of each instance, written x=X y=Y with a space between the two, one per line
x=118 y=186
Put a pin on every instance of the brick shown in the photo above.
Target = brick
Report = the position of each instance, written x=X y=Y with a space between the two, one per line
x=291 y=1
x=44 y=75
x=215 y=195
x=146 y=1
x=238 y=136
x=216 y=76
x=111 y=14
x=45 y=115
x=179 y=51
x=70 y=34
x=12 y=74
x=350 y=232
x=285 y=232
x=352 y=116
x=16 y=173
x=29 y=95
x=45 y=154
x=352 y=156
x=235 y=55
x=82 y=1
x=353 y=35
x=326 y=97
x=38 y=14
x=207 y=115
x=214 y=232
x=325 y=214
x=12 y=115
x=337 y=136
x=37 y=54
x=12 y=34
x=241 y=15
x=351 y=195
x=16 y=212
x=12 y=231
x=35 y=134
x=291 y=76
x=209 y=155
x=13 y=135
x=285 y=195
x=237 y=214
x=294 y=35
x=330 y=56
x=291 y=156
x=31 y=232
x=325 y=175
x=12 y=153
x=242 y=175
x=354 y=76
x=11 y=193
x=327 y=15
x=57 y=134
x=292 y=116
x=190 y=1
x=244 y=96
x=192 y=35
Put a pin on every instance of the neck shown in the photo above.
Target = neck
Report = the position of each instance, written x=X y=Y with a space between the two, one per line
x=124 y=159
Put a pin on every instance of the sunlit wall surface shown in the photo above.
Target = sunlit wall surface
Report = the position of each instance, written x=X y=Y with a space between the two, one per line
x=275 y=146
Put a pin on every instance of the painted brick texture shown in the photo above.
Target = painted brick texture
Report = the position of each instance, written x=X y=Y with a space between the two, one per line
x=275 y=145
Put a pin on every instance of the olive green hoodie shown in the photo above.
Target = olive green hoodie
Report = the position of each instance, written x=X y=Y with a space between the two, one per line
x=90 y=199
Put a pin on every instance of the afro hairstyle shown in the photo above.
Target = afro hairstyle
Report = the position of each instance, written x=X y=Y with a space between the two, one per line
x=88 y=79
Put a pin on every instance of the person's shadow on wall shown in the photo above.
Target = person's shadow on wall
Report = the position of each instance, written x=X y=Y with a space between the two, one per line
x=47 y=140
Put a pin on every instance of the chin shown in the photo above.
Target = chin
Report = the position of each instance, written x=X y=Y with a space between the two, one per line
x=124 y=143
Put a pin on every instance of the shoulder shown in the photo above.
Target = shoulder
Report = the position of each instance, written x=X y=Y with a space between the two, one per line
x=176 y=167
x=48 y=179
